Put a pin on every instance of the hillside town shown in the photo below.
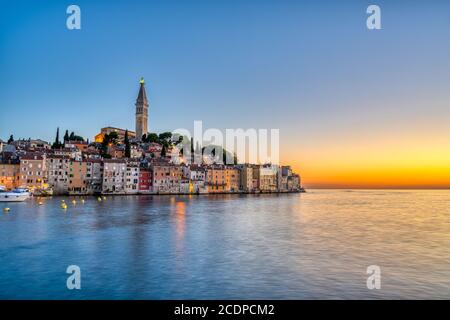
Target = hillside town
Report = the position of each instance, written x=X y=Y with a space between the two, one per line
x=123 y=162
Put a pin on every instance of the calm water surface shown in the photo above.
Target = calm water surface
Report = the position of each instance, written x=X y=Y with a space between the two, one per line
x=297 y=246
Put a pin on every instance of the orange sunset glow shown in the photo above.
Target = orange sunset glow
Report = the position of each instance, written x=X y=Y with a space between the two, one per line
x=389 y=162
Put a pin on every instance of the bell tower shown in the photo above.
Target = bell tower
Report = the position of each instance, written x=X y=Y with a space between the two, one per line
x=141 y=111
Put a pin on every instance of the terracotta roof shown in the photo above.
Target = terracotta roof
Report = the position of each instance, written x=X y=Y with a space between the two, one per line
x=118 y=129
x=114 y=161
x=57 y=156
x=93 y=160
x=32 y=157
x=196 y=167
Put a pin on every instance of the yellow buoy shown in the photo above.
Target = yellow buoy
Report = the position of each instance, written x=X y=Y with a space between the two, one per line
x=6 y=209
x=74 y=202
x=104 y=198
x=40 y=203
x=99 y=199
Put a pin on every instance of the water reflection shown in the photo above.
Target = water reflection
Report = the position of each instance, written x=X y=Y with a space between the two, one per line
x=315 y=245
x=180 y=222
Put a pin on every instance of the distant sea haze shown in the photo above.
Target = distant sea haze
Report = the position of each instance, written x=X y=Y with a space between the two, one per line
x=275 y=246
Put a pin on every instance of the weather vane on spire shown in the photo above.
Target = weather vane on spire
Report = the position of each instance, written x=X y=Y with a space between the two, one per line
x=142 y=81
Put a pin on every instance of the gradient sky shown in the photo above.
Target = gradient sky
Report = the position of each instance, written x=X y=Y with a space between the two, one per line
x=355 y=108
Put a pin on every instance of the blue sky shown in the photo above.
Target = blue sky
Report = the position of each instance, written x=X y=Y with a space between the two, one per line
x=229 y=63
x=310 y=68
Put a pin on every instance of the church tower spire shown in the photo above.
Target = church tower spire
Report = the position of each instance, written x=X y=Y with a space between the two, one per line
x=141 y=111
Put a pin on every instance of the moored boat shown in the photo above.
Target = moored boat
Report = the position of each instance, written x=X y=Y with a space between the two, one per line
x=46 y=191
x=16 y=195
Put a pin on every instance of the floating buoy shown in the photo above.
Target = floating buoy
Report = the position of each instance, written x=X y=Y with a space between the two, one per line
x=74 y=202
x=104 y=198
x=40 y=203
x=64 y=206
x=6 y=209
x=82 y=200
x=99 y=199
x=62 y=201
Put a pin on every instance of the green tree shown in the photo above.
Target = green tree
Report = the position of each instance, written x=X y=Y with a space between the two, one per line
x=66 y=136
x=57 y=136
x=105 y=144
x=57 y=143
x=152 y=137
x=109 y=139
x=165 y=136
x=114 y=137
x=77 y=138
x=127 y=145
x=163 y=151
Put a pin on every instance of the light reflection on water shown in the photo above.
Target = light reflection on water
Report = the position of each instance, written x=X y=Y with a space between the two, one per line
x=313 y=245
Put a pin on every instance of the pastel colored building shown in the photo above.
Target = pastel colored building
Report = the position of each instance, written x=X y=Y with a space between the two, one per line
x=9 y=175
x=92 y=153
x=136 y=152
x=58 y=171
x=77 y=177
x=215 y=179
x=198 y=186
x=80 y=145
x=166 y=177
x=197 y=176
x=283 y=183
x=145 y=180
x=196 y=172
x=94 y=176
x=114 y=176
x=186 y=186
x=289 y=181
x=33 y=171
x=116 y=152
x=246 y=178
x=294 y=182
x=153 y=150
x=31 y=144
x=231 y=179
x=132 y=179
x=222 y=179
x=267 y=176
x=72 y=153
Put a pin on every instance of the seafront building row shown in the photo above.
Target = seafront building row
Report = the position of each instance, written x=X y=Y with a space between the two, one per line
x=79 y=168
x=121 y=161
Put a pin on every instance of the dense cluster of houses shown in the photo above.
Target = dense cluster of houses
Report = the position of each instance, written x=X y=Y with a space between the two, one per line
x=79 y=168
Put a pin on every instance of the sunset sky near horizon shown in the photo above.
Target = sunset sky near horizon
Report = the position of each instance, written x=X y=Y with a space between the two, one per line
x=355 y=108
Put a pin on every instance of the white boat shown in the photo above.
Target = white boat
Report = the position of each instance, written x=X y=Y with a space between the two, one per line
x=16 y=195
